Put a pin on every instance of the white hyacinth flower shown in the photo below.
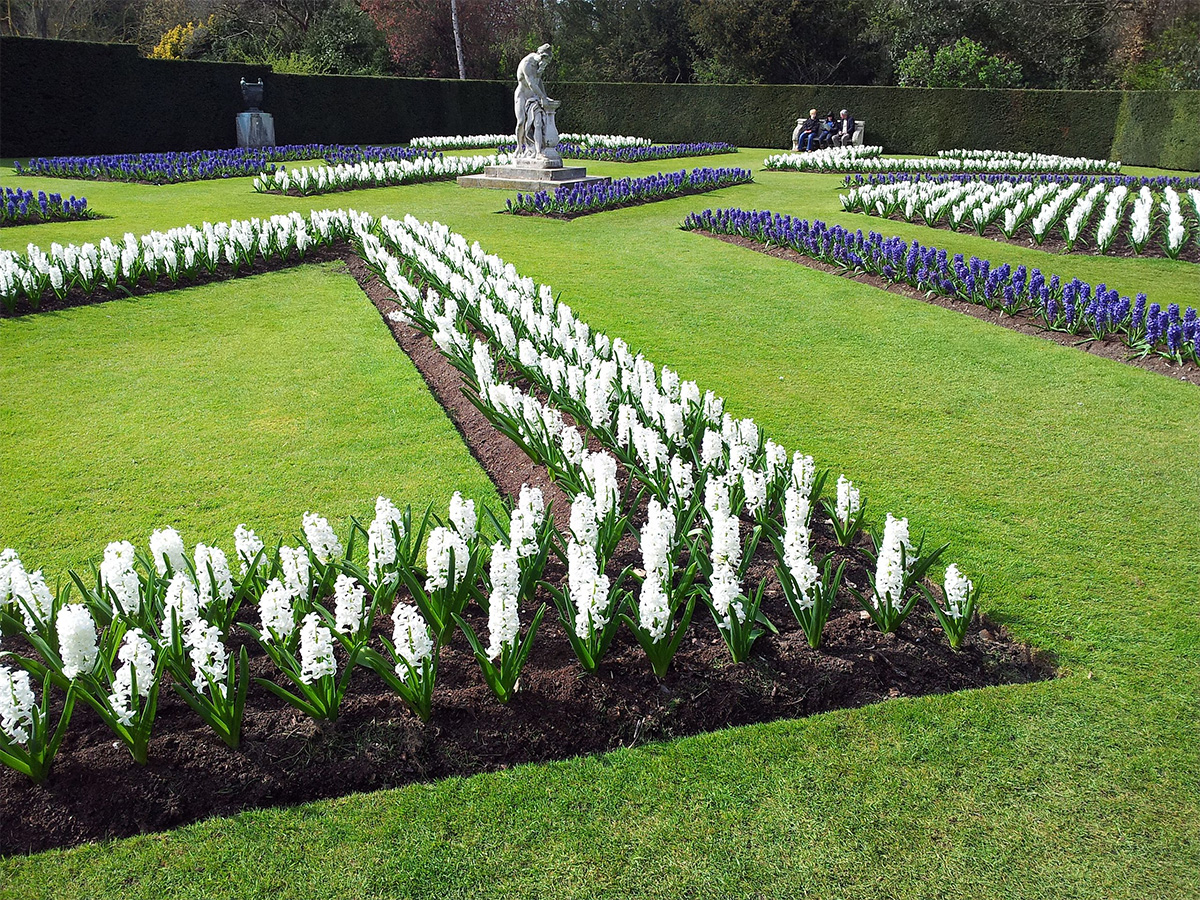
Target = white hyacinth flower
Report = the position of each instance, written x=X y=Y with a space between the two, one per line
x=247 y=544
x=411 y=638
x=275 y=611
x=889 y=567
x=218 y=586
x=297 y=571
x=463 y=517
x=350 y=604
x=137 y=664
x=316 y=650
x=958 y=588
x=118 y=575
x=181 y=606
x=387 y=525
x=167 y=548
x=526 y=519
x=504 y=622
x=76 y=633
x=207 y=654
x=848 y=500
x=321 y=537
x=443 y=541
x=16 y=704
x=588 y=589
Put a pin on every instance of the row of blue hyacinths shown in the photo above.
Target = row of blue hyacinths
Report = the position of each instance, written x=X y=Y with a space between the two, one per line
x=582 y=199
x=21 y=207
x=201 y=165
x=1060 y=305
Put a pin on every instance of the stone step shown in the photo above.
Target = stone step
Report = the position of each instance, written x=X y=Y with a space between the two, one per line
x=525 y=185
x=535 y=173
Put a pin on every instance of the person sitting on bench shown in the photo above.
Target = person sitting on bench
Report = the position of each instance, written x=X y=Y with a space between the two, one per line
x=844 y=132
x=806 y=131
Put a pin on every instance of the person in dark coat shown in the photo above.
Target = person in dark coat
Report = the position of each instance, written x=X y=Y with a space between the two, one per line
x=806 y=131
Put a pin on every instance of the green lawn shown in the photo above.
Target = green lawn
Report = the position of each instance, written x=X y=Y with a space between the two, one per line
x=248 y=401
x=1069 y=482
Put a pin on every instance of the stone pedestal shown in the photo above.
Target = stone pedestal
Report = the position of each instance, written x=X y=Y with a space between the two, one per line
x=255 y=129
x=529 y=176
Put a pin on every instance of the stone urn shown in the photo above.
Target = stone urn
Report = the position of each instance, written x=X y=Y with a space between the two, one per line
x=252 y=93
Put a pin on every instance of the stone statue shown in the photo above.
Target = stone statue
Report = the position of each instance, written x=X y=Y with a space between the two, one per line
x=537 y=133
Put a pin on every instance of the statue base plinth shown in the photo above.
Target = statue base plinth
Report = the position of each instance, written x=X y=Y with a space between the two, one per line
x=529 y=177
x=255 y=129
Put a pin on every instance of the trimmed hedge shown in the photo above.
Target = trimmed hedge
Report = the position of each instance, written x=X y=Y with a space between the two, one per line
x=71 y=97
x=67 y=97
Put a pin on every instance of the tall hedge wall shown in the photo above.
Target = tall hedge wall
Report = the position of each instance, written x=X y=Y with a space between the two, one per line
x=69 y=97
x=59 y=97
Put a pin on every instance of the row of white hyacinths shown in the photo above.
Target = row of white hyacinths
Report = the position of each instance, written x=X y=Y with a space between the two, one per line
x=167 y=616
x=703 y=469
x=308 y=180
x=828 y=159
x=1100 y=213
x=1000 y=161
x=473 y=141
x=176 y=256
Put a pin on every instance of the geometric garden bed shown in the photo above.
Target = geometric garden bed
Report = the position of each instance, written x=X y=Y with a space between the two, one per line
x=97 y=791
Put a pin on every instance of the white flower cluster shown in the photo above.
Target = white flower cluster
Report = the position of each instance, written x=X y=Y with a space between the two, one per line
x=797 y=554
x=349 y=605
x=321 y=538
x=76 y=633
x=950 y=161
x=382 y=534
x=411 y=638
x=310 y=180
x=137 y=665
x=1037 y=208
x=611 y=141
x=828 y=159
x=460 y=142
x=118 y=575
x=889 y=570
x=442 y=543
x=658 y=559
x=526 y=519
x=848 y=501
x=24 y=593
x=16 y=705
x=179 y=254
x=958 y=588
x=316 y=650
x=662 y=425
x=504 y=623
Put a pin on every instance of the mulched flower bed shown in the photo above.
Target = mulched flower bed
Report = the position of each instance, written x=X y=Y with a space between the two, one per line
x=628 y=204
x=224 y=272
x=1110 y=347
x=96 y=791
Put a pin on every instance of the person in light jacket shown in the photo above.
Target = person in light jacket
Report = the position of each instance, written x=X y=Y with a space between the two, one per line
x=843 y=135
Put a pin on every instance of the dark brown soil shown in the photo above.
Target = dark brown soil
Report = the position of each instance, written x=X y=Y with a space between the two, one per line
x=223 y=272
x=1109 y=347
x=96 y=791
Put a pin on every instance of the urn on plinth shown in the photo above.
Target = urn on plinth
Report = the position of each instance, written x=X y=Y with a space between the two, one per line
x=255 y=128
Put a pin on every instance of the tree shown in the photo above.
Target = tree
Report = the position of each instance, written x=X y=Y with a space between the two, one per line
x=782 y=41
x=963 y=64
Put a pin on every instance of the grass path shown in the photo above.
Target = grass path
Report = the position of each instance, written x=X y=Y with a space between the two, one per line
x=1069 y=482
x=249 y=401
